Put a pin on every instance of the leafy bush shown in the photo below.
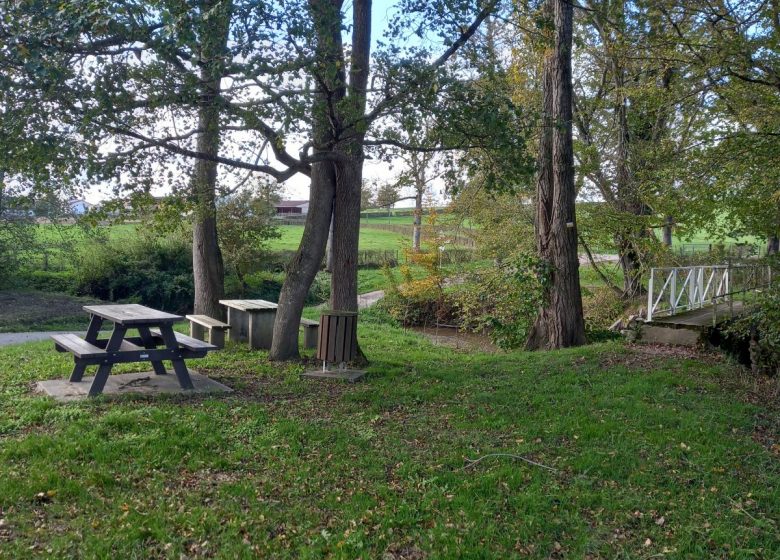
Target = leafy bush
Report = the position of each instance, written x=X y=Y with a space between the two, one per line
x=419 y=301
x=761 y=330
x=58 y=281
x=245 y=227
x=156 y=272
x=17 y=237
x=601 y=306
x=502 y=301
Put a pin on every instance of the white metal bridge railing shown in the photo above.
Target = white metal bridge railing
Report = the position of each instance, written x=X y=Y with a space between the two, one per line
x=679 y=289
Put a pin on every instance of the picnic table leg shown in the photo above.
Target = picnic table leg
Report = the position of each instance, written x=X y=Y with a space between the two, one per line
x=114 y=342
x=149 y=344
x=179 y=367
x=261 y=329
x=238 y=325
x=95 y=323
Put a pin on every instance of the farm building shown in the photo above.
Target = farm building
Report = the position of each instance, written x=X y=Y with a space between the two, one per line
x=79 y=207
x=285 y=207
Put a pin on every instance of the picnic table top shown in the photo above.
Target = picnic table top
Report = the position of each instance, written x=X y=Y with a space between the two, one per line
x=132 y=314
x=249 y=304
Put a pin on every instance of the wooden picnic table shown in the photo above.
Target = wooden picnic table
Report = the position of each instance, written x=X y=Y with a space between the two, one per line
x=252 y=320
x=155 y=329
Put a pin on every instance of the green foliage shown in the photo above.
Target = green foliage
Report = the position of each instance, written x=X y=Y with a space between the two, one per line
x=153 y=271
x=601 y=306
x=17 y=239
x=502 y=300
x=245 y=227
x=60 y=281
x=761 y=329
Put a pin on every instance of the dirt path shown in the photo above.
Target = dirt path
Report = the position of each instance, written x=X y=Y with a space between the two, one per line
x=369 y=298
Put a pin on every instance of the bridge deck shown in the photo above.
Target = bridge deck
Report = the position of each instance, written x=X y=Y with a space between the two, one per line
x=698 y=318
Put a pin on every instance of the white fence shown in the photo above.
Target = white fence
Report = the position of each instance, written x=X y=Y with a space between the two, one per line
x=679 y=289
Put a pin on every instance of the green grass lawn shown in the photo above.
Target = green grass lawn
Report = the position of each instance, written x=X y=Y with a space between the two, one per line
x=370 y=239
x=656 y=454
x=443 y=219
x=56 y=233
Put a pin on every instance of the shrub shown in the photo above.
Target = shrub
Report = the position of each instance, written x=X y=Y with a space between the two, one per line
x=155 y=272
x=502 y=301
x=761 y=330
x=602 y=306
x=60 y=281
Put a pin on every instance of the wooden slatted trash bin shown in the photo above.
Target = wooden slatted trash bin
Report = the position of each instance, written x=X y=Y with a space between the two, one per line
x=337 y=346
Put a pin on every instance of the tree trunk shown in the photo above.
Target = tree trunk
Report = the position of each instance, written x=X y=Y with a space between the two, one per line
x=349 y=170
x=346 y=233
x=207 y=265
x=560 y=322
x=668 y=225
x=417 y=232
x=304 y=266
x=631 y=266
x=329 y=248
x=772 y=245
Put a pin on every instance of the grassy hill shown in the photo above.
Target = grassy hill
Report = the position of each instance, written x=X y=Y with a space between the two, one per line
x=637 y=452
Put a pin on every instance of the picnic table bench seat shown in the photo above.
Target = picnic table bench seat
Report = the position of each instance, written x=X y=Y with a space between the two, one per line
x=188 y=342
x=215 y=328
x=77 y=346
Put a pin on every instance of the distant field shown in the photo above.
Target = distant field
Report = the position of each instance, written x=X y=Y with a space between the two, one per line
x=379 y=218
x=370 y=239
x=58 y=233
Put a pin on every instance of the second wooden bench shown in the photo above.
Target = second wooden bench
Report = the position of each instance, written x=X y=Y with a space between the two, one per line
x=200 y=324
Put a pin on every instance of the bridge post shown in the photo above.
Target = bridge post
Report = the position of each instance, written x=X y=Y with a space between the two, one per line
x=700 y=283
x=728 y=289
x=650 y=295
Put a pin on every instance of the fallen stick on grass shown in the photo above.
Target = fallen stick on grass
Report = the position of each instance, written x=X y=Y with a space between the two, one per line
x=472 y=462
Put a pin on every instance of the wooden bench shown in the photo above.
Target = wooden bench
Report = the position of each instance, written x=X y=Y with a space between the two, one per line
x=80 y=348
x=199 y=324
x=310 y=333
x=187 y=342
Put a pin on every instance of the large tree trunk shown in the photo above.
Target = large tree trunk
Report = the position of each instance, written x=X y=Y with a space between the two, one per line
x=207 y=266
x=346 y=233
x=306 y=262
x=349 y=170
x=304 y=266
x=560 y=322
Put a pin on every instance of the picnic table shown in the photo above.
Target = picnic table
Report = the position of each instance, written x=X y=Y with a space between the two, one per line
x=156 y=341
x=252 y=320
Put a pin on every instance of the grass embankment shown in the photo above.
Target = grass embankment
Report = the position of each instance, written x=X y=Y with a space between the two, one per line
x=655 y=455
